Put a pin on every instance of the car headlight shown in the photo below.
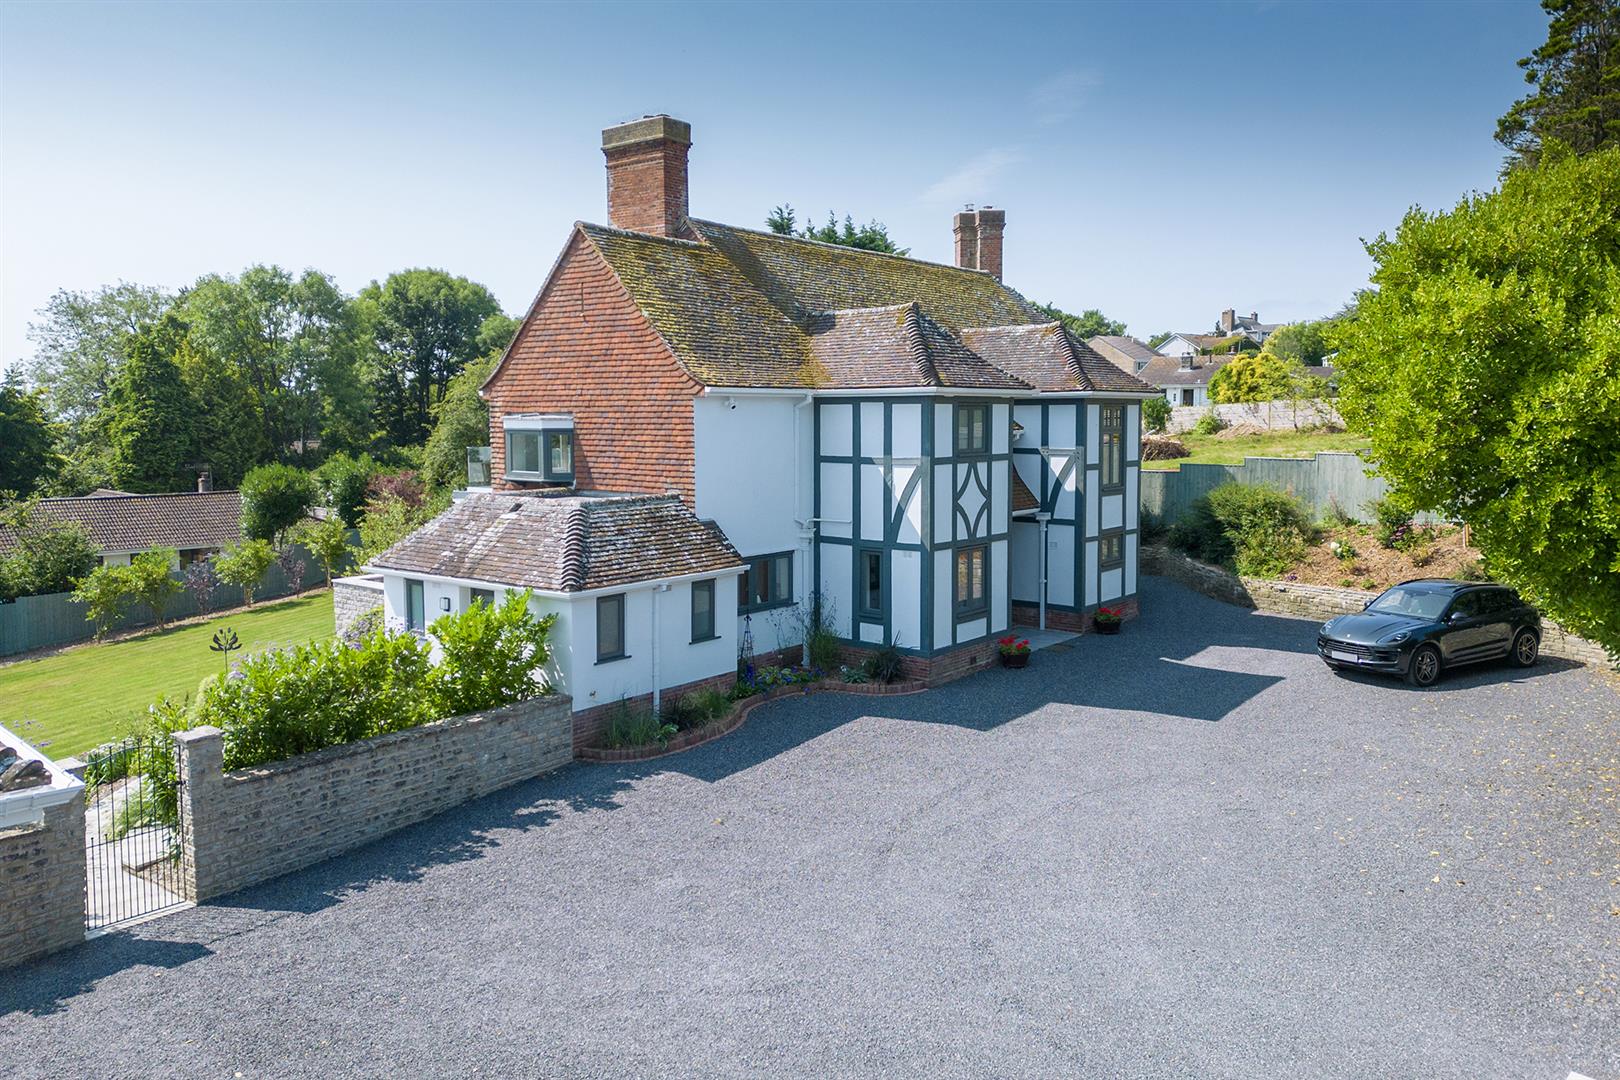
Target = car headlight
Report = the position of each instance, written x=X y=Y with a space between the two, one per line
x=1397 y=637
x=1327 y=626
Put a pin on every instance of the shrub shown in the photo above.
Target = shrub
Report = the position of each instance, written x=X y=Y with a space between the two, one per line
x=244 y=565
x=274 y=499
x=1392 y=522
x=368 y=622
x=628 y=727
x=884 y=665
x=344 y=484
x=200 y=581
x=820 y=636
x=292 y=566
x=490 y=656
x=405 y=484
x=47 y=557
x=1210 y=424
x=390 y=519
x=105 y=593
x=151 y=583
x=1155 y=414
x=1337 y=515
x=1256 y=530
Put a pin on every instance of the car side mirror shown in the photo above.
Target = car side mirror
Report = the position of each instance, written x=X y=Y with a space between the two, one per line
x=1456 y=616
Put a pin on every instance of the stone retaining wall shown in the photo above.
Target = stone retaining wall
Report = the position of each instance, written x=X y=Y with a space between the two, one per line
x=352 y=597
x=42 y=883
x=1318 y=601
x=248 y=826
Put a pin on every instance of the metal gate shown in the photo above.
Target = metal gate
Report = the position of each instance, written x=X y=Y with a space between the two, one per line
x=131 y=832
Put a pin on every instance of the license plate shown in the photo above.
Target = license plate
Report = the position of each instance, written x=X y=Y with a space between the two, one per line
x=1337 y=655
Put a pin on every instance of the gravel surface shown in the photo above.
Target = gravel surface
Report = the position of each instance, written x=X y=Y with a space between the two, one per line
x=1187 y=851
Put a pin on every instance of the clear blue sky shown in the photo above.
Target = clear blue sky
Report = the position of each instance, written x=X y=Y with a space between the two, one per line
x=1159 y=161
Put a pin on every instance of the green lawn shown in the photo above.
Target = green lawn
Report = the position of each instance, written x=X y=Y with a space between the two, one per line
x=1213 y=450
x=87 y=694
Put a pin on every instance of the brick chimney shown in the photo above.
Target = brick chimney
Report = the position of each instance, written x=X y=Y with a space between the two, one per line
x=978 y=239
x=1228 y=320
x=965 y=227
x=646 y=175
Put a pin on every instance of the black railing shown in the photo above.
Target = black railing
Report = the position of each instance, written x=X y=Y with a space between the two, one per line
x=131 y=832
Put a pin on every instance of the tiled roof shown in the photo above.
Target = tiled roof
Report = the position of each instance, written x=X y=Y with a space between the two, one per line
x=562 y=543
x=1022 y=497
x=745 y=308
x=1167 y=370
x=119 y=522
x=897 y=346
x=1128 y=346
x=1050 y=358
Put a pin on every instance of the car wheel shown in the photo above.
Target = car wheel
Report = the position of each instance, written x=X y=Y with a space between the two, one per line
x=1424 y=669
x=1526 y=649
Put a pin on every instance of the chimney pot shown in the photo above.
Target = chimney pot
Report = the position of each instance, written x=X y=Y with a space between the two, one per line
x=646 y=175
x=205 y=481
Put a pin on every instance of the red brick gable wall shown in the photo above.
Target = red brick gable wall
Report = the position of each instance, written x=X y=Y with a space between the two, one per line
x=587 y=350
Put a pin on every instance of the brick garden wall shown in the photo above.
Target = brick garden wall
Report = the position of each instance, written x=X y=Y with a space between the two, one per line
x=42 y=883
x=1080 y=622
x=248 y=826
x=352 y=597
x=1318 y=601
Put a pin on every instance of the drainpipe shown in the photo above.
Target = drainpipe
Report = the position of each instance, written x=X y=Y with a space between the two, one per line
x=1043 y=518
x=658 y=693
x=807 y=554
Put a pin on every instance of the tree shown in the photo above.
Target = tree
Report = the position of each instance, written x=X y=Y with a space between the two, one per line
x=274 y=499
x=150 y=581
x=1159 y=339
x=244 y=565
x=200 y=581
x=292 y=566
x=104 y=592
x=328 y=540
x=1156 y=414
x=45 y=556
x=81 y=341
x=1485 y=368
x=1305 y=342
x=425 y=326
x=1250 y=377
x=873 y=236
x=459 y=421
x=344 y=483
x=29 y=440
x=228 y=429
x=390 y=519
x=1088 y=324
x=147 y=414
x=295 y=345
x=1576 y=76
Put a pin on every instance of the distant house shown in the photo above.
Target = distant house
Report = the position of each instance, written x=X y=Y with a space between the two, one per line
x=1233 y=323
x=1184 y=379
x=196 y=524
x=1126 y=353
x=1179 y=345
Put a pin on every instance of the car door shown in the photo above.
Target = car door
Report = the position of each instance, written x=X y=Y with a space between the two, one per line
x=1497 y=608
x=1463 y=635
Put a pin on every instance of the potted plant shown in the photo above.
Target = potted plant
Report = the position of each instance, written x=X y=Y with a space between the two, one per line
x=1014 y=651
x=1107 y=620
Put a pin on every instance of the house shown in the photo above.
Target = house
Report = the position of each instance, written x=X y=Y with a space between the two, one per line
x=196 y=524
x=641 y=589
x=1232 y=323
x=1126 y=353
x=910 y=448
x=1179 y=345
x=1183 y=379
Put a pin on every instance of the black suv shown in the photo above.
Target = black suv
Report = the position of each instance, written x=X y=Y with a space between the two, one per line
x=1419 y=628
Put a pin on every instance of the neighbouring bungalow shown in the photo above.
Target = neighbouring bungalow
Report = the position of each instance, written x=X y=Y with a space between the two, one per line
x=195 y=524
x=1126 y=353
x=911 y=448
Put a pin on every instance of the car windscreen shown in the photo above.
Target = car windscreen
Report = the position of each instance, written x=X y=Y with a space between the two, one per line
x=1419 y=603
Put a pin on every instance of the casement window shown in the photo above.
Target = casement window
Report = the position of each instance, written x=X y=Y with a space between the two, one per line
x=482 y=596
x=1111 y=550
x=972 y=429
x=767 y=584
x=540 y=448
x=970 y=594
x=1112 y=448
x=703 y=611
x=870 y=565
x=609 y=628
x=1187 y=397
x=415 y=606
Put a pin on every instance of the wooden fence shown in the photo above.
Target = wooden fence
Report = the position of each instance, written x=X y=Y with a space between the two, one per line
x=1320 y=482
x=36 y=622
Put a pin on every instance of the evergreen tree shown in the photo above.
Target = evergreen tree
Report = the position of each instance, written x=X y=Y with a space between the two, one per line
x=28 y=438
x=1576 y=75
x=148 y=415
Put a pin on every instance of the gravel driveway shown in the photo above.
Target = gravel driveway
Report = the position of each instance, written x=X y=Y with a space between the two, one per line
x=1186 y=851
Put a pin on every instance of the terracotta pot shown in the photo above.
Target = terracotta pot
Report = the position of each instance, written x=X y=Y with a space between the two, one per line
x=1107 y=627
x=1015 y=659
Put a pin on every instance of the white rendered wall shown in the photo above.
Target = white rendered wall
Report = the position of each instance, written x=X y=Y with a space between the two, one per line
x=1025 y=568
x=905 y=597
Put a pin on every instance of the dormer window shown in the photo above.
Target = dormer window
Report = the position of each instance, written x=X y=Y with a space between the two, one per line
x=539 y=447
